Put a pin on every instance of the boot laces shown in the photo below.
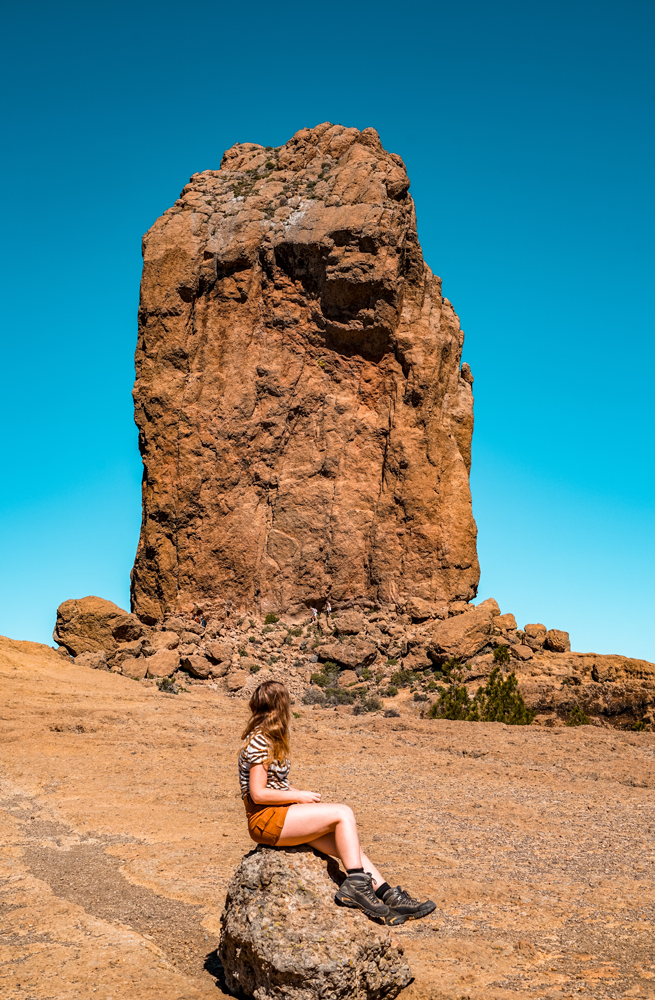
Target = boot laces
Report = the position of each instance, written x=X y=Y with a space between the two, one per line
x=401 y=896
x=366 y=889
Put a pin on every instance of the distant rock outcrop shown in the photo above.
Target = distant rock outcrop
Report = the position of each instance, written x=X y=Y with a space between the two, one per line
x=304 y=422
x=91 y=624
x=284 y=938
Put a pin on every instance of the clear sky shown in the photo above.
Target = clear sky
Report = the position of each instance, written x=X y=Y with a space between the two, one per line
x=527 y=130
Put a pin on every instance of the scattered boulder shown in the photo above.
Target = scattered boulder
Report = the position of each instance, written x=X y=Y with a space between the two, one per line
x=134 y=667
x=534 y=635
x=197 y=665
x=347 y=677
x=463 y=636
x=350 y=623
x=236 y=679
x=420 y=610
x=284 y=938
x=89 y=624
x=505 y=622
x=189 y=638
x=357 y=653
x=521 y=651
x=557 y=641
x=459 y=607
x=163 y=663
x=220 y=652
x=164 y=640
x=97 y=661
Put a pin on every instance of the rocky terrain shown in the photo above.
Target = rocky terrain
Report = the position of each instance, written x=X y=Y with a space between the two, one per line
x=371 y=660
x=122 y=828
x=304 y=417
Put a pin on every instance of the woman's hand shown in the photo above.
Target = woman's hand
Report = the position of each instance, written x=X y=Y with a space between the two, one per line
x=306 y=797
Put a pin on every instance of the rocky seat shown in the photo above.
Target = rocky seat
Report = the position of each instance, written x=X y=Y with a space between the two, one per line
x=283 y=936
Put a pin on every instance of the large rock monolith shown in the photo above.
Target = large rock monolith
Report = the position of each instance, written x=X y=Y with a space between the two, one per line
x=284 y=938
x=305 y=423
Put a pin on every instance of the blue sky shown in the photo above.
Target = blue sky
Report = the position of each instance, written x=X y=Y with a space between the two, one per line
x=527 y=130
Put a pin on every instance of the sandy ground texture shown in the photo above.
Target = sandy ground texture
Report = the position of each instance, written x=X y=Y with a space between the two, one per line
x=121 y=824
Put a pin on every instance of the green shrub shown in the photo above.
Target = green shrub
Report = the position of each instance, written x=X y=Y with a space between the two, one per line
x=313 y=696
x=271 y=619
x=339 y=696
x=242 y=652
x=327 y=677
x=167 y=685
x=295 y=631
x=498 y=701
x=420 y=696
x=392 y=660
x=366 y=674
x=273 y=659
x=501 y=654
x=296 y=715
x=391 y=691
x=267 y=630
x=253 y=624
x=379 y=676
x=578 y=717
x=432 y=686
x=255 y=668
x=639 y=726
x=403 y=678
x=288 y=640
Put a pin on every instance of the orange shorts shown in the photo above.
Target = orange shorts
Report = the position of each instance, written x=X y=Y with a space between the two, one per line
x=265 y=822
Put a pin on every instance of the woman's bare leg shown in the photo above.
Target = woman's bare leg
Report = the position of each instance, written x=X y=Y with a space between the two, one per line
x=306 y=823
x=328 y=845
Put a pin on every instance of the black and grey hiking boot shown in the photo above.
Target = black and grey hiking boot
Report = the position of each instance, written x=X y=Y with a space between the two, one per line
x=357 y=891
x=401 y=902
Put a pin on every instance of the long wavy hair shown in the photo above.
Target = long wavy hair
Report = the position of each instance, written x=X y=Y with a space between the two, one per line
x=270 y=708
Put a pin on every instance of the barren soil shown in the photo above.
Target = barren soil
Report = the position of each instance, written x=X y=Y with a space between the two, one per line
x=121 y=823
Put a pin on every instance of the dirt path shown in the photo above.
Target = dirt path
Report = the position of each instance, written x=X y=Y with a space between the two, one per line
x=121 y=825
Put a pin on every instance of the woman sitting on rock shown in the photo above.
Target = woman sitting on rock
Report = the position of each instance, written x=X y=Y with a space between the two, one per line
x=282 y=816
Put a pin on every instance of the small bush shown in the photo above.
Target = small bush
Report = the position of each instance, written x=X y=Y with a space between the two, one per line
x=366 y=674
x=639 y=726
x=167 y=685
x=498 y=701
x=269 y=164
x=578 y=717
x=420 y=696
x=297 y=630
x=432 y=686
x=391 y=713
x=313 y=696
x=255 y=668
x=392 y=660
x=391 y=691
x=327 y=676
x=253 y=624
x=267 y=630
x=296 y=715
x=242 y=652
x=403 y=678
x=271 y=619
x=273 y=659
x=501 y=654
x=339 y=696
x=288 y=640
x=379 y=676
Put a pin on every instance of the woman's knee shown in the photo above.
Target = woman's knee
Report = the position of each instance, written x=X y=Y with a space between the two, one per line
x=345 y=813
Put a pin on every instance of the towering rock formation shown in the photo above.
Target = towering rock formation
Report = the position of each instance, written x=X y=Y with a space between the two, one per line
x=304 y=421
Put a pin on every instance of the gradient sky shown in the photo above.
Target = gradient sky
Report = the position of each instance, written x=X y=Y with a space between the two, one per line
x=527 y=130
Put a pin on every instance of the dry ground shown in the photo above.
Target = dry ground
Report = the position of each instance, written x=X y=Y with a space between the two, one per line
x=121 y=825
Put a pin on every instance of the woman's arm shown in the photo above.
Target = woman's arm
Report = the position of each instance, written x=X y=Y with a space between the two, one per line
x=261 y=795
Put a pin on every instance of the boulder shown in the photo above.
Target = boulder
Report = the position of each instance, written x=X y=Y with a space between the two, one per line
x=97 y=661
x=197 y=665
x=220 y=652
x=302 y=305
x=356 y=653
x=420 y=610
x=134 y=667
x=350 y=623
x=557 y=641
x=460 y=607
x=347 y=677
x=163 y=663
x=505 y=622
x=534 y=635
x=236 y=679
x=284 y=938
x=521 y=651
x=89 y=624
x=464 y=635
x=164 y=640
x=189 y=638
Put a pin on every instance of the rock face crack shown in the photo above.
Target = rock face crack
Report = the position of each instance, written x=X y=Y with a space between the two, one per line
x=294 y=348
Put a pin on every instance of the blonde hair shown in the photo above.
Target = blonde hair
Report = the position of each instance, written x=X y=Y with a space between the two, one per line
x=270 y=708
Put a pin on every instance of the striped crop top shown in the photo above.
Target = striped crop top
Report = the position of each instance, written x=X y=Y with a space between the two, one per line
x=255 y=750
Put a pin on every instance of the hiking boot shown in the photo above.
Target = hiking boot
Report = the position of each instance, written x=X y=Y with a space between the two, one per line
x=357 y=891
x=401 y=902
